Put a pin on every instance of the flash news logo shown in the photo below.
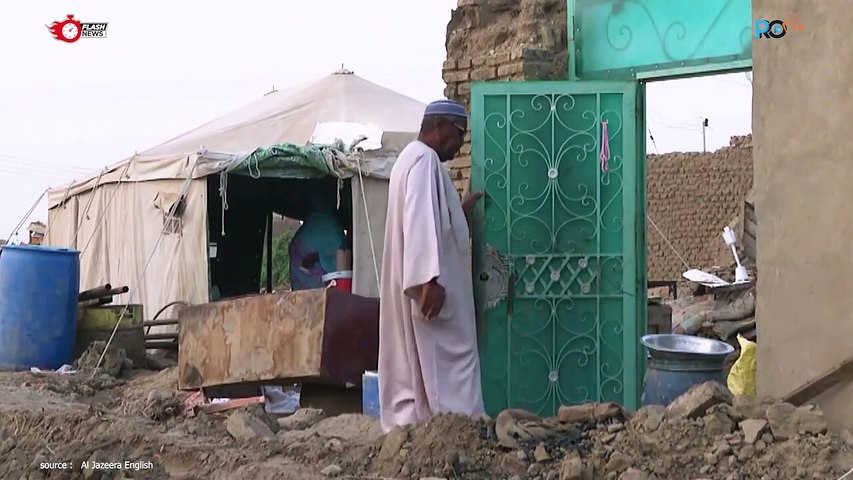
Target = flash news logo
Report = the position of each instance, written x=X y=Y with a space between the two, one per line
x=70 y=30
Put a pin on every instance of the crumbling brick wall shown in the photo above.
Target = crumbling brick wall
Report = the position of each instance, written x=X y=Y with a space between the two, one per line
x=501 y=40
x=691 y=197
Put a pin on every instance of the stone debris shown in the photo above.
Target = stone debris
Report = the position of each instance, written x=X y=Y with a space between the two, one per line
x=698 y=400
x=245 y=427
x=705 y=434
x=787 y=421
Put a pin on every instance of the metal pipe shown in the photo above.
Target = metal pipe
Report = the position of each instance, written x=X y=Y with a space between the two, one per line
x=157 y=323
x=96 y=292
x=118 y=290
x=162 y=336
x=95 y=302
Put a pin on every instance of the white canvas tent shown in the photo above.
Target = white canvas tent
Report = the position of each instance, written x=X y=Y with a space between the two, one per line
x=116 y=218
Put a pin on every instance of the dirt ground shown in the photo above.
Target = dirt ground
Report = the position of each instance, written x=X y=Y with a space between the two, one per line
x=51 y=424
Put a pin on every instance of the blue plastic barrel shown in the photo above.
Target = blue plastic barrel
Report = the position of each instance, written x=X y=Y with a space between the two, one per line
x=678 y=362
x=38 y=306
x=370 y=394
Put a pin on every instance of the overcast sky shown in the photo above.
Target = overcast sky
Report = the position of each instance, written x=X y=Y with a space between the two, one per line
x=167 y=67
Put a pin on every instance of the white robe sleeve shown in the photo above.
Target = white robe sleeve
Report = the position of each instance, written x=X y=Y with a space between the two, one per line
x=421 y=224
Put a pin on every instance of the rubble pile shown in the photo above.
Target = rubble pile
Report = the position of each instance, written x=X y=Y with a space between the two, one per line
x=704 y=435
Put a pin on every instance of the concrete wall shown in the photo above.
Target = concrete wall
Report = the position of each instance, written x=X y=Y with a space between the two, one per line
x=691 y=196
x=802 y=104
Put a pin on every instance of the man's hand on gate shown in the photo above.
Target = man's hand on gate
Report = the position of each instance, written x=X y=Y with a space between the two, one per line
x=469 y=202
x=432 y=299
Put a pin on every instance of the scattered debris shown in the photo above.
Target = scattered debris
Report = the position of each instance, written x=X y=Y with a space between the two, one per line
x=114 y=362
x=703 y=434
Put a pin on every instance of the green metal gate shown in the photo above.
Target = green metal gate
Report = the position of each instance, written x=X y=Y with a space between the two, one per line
x=561 y=279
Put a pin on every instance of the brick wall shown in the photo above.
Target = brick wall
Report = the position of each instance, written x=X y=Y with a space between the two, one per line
x=501 y=40
x=691 y=197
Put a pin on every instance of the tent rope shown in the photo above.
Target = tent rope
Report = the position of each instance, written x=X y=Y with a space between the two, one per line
x=103 y=213
x=88 y=206
x=26 y=216
x=141 y=276
x=369 y=229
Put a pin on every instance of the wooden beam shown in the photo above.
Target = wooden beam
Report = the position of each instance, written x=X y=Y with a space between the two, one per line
x=841 y=372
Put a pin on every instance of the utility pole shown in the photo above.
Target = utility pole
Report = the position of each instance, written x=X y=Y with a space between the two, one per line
x=704 y=126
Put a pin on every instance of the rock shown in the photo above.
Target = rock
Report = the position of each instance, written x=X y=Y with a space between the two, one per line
x=717 y=424
x=571 y=469
x=728 y=410
x=334 y=445
x=786 y=420
x=541 y=454
x=331 y=471
x=846 y=436
x=749 y=407
x=696 y=402
x=590 y=412
x=633 y=474
x=155 y=396
x=618 y=463
x=301 y=419
x=752 y=429
x=245 y=427
x=261 y=414
x=649 y=418
x=722 y=448
x=746 y=453
x=393 y=443
x=615 y=428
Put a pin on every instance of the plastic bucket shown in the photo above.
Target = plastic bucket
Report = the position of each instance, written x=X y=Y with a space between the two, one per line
x=340 y=280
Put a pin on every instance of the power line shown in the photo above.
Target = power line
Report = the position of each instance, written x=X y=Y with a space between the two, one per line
x=41 y=172
x=41 y=175
x=41 y=164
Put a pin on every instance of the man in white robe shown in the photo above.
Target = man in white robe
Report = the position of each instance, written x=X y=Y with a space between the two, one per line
x=428 y=355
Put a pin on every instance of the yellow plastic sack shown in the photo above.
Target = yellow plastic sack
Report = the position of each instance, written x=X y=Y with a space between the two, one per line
x=741 y=381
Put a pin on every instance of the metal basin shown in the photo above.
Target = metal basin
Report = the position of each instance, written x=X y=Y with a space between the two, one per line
x=669 y=346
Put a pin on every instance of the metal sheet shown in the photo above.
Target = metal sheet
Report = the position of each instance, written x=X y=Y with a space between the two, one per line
x=320 y=336
x=251 y=339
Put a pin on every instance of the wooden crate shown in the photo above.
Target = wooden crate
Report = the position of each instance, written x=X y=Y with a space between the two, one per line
x=312 y=336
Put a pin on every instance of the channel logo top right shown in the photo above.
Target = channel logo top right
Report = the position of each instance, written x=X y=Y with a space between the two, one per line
x=777 y=28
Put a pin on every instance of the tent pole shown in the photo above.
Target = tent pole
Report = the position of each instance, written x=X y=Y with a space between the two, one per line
x=269 y=251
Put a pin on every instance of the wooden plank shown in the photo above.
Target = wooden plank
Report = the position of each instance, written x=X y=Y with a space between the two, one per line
x=837 y=374
x=250 y=339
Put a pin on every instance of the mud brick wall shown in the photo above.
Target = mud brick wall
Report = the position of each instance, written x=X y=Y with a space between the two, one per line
x=501 y=40
x=691 y=197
